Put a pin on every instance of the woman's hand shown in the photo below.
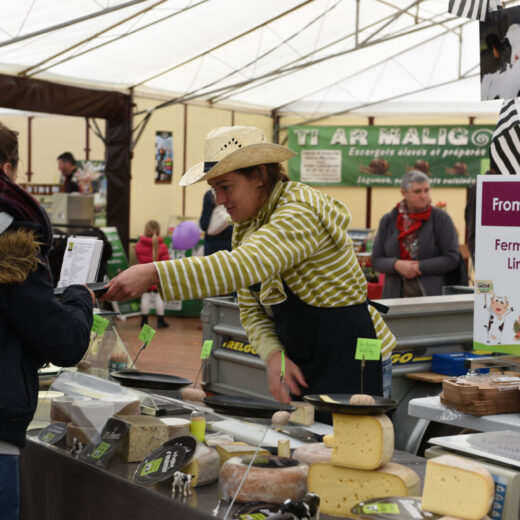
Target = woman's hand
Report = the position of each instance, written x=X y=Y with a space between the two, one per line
x=408 y=269
x=131 y=283
x=293 y=378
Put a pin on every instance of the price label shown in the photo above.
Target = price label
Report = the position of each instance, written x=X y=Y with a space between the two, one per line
x=99 y=325
x=146 y=334
x=386 y=509
x=206 y=349
x=53 y=433
x=368 y=348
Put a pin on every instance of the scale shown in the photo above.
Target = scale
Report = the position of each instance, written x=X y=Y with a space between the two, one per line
x=499 y=453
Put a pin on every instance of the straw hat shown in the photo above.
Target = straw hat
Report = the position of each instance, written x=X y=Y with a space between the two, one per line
x=232 y=147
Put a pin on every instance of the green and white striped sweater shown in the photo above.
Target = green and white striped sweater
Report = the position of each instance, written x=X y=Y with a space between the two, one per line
x=300 y=234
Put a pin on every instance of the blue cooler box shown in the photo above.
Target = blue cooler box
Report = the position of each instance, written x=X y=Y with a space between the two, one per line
x=453 y=364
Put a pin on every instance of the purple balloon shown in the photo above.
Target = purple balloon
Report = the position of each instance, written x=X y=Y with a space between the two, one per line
x=186 y=235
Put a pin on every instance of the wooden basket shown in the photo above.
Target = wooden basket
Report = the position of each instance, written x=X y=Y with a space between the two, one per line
x=488 y=397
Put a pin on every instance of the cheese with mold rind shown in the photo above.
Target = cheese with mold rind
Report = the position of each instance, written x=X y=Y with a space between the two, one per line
x=362 y=441
x=455 y=486
x=341 y=488
x=204 y=465
x=313 y=453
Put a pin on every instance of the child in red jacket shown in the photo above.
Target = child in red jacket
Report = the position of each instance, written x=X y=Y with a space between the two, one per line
x=151 y=248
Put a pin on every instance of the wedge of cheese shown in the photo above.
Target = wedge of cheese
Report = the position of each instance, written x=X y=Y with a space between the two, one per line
x=304 y=413
x=455 y=486
x=204 y=466
x=340 y=488
x=146 y=434
x=362 y=441
x=238 y=449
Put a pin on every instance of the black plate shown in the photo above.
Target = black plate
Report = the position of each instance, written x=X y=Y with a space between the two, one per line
x=137 y=379
x=245 y=406
x=381 y=405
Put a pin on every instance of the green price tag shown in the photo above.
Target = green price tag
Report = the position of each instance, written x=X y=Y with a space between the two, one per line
x=151 y=467
x=385 y=509
x=369 y=348
x=206 y=349
x=146 y=334
x=100 y=450
x=253 y=516
x=99 y=325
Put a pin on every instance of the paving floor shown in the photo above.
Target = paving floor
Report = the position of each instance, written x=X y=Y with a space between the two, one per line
x=175 y=350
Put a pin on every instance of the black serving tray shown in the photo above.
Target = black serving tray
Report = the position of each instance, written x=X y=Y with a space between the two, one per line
x=342 y=405
x=137 y=379
x=245 y=406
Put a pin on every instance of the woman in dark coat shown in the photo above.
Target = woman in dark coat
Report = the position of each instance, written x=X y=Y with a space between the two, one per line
x=213 y=243
x=416 y=244
x=34 y=327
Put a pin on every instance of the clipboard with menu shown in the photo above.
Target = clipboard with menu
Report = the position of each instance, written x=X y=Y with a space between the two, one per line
x=81 y=261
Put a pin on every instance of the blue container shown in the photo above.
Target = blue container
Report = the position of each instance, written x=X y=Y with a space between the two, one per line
x=453 y=364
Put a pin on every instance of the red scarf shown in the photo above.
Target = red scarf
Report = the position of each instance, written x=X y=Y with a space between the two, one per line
x=404 y=237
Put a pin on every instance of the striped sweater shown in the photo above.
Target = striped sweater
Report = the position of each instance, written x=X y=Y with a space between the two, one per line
x=300 y=234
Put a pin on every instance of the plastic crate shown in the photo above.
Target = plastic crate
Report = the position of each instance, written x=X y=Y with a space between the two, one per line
x=453 y=364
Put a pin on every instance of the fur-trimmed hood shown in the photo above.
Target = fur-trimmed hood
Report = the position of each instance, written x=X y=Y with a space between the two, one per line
x=19 y=255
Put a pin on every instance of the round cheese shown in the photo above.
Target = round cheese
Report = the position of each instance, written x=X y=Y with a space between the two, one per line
x=270 y=479
x=362 y=400
x=204 y=466
x=313 y=453
x=176 y=426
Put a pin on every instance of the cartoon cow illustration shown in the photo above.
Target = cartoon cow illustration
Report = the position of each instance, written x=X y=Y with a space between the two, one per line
x=498 y=309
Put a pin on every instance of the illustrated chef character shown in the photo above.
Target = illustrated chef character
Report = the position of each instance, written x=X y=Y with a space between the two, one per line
x=300 y=287
x=498 y=309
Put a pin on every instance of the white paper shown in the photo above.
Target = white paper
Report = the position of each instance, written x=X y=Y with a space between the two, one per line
x=80 y=261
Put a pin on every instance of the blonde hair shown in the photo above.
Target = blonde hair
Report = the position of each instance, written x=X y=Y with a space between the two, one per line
x=153 y=229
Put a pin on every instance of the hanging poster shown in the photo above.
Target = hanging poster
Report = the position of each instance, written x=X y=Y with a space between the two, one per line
x=163 y=157
x=500 y=54
x=452 y=155
x=497 y=257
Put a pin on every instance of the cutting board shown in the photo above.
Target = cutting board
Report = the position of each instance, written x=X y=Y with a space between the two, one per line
x=428 y=377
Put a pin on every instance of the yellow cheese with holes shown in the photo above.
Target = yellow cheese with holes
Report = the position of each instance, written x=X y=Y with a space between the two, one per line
x=304 y=413
x=340 y=489
x=362 y=441
x=204 y=466
x=228 y=451
x=328 y=440
x=454 y=486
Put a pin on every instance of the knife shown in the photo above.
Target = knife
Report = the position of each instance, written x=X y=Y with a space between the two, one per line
x=300 y=434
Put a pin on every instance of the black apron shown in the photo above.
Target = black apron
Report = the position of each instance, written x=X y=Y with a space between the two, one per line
x=322 y=342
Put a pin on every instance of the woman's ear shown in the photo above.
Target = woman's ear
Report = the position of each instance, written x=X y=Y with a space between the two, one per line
x=262 y=175
x=7 y=168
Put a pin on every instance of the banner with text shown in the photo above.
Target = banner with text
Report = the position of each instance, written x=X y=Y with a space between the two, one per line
x=380 y=155
x=497 y=256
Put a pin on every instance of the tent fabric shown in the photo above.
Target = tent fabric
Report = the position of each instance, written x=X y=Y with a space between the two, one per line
x=297 y=55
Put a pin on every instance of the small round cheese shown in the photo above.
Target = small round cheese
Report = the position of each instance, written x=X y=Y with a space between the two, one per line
x=270 y=479
x=280 y=418
x=362 y=400
x=193 y=394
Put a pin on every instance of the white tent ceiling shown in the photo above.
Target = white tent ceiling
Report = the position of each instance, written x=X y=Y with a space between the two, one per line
x=312 y=56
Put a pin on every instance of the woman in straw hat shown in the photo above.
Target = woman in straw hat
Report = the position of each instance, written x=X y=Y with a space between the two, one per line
x=300 y=287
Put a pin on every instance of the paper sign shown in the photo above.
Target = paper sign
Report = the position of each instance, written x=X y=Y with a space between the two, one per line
x=99 y=325
x=370 y=349
x=146 y=334
x=483 y=286
x=206 y=349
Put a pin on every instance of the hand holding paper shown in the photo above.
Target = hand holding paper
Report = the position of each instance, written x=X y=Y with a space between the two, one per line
x=131 y=283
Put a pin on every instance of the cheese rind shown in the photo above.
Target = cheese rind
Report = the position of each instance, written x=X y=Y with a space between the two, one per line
x=362 y=441
x=454 y=486
x=145 y=435
x=313 y=453
x=341 y=488
x=264 y=484
x=204 y=466
x=176 y=426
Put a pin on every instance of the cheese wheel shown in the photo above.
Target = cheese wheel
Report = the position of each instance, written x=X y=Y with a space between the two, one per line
x=270 y=479
x=146 y=434
x=313 y=453
x=84 y=435
x=455 y=486
x=340 y=488
x=176 y=426
x=237 y=449
x=362 y=441
x=362 y=400
x=91 y=414
x=193 y=394
x=204 y=466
